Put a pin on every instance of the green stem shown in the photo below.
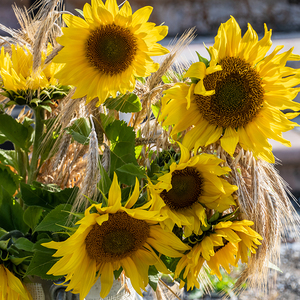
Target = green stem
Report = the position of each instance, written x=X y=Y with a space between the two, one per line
x=22 y=162
x=22 y=158
x=38 y=132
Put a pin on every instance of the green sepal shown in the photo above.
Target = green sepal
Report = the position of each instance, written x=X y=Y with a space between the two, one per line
x=214 y=217
x=203 y=59
x=18 y=260
x=79 y=11
x=4 y=244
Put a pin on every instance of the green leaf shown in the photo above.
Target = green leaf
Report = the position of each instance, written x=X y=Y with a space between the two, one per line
x=155 y=110
x=32 y=215
x=14 y=131
x=127 y=173
x=40 y=197
x=153 y=276
x=127 y=103
x=11 y=213
x=2 y=232
x=105 y=182
x=138 y=151
x=166 y=79
x=42 y=261
x=3 y=138
x=24 y=244
x=122 y=140
x=106 y=120
x=8 y=179
x=8 y=157
x=80 y=131
x=56 y=219
x=117 y=273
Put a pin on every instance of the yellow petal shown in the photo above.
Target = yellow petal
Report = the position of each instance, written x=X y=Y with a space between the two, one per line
x=141 y=15
x=73 y=21
x=134 y=196
x=230 y=140
x=112 y=7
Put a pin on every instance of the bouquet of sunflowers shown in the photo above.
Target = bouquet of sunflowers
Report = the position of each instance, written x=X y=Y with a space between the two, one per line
x=126 y=168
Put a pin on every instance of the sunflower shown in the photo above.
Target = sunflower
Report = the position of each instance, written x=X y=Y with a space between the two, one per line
x=11 y=288
x=224 y=245
x=238 y=98
x=110 y=238
x=16 y=70
x=192 y=183
x=105 y=51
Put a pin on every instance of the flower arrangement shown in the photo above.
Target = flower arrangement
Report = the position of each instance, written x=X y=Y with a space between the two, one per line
x=185 y=187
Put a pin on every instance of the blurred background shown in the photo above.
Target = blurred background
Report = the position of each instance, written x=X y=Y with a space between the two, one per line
x=206 y=15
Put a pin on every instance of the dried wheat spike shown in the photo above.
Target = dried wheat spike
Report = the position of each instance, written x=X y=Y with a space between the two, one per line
x=177 y=46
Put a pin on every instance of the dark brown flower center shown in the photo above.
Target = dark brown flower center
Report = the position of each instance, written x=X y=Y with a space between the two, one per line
x=238 y=94
x=186 y=189
x=118 y=237
x=111 y=49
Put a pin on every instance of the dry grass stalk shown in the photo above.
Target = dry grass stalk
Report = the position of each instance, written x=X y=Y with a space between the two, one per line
x=53 y=54
x=27 y=23
x=164 y=292
x=44 y=33
x=263 y=199
x=66 y=110
x=177 y=46
x=89 y=185
x=69 y=173
x=106 y=158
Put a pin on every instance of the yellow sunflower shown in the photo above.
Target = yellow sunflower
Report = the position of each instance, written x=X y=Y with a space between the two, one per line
x=105 y=51
x=11 y=288
x=193 y=182
x=114 y=236
x=239 y=97
x=225 y=245
x=16 y=70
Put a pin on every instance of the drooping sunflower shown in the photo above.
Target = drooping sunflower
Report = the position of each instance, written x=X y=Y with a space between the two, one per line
x=16 y=70
x=11 y=288
x=224 y=245
x=195 y=182
x=112 y=237
x=105 y=51
x=238 y=96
